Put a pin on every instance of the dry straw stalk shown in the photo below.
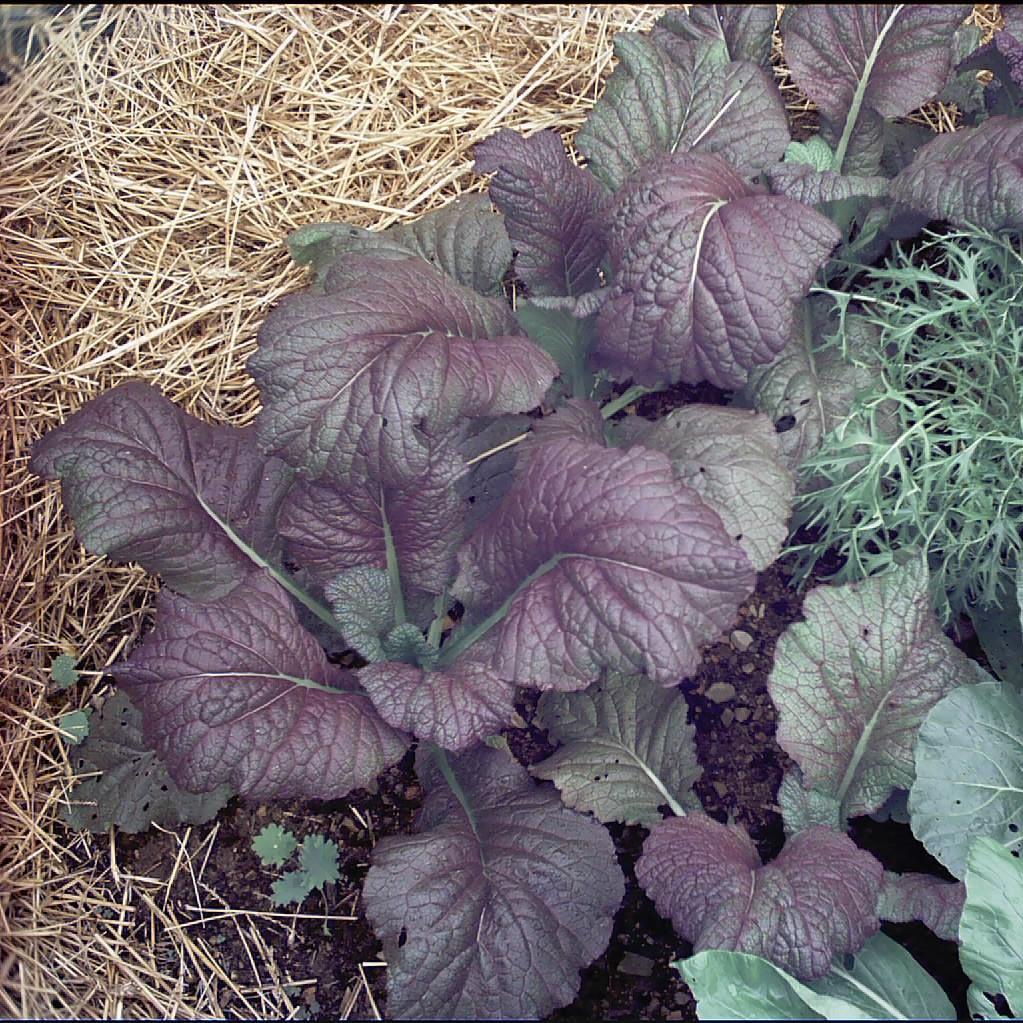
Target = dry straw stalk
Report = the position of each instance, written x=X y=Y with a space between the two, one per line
x=155 y=158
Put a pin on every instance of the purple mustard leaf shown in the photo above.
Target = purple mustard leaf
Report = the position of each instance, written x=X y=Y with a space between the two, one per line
x=936 y=903
x=852 y=60
x=804 y=184
x=578 y=418
x=236 y=691
x=817 y=900
x=144 y=481
x=674 y=96
x=855 y=680
x=972 y=177
x=501 y=897
x=708 y=272
x=600 y=559
x=732 y=459
x=554 y=211
x=455 y=707
x=372 y=375
x=330 y=528
x=745 y=29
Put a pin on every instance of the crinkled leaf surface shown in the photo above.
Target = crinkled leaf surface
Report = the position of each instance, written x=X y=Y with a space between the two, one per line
x=673 y=96
x=134 y=789
x=731 y=458
x=745 y=29
x=144 y=481
x=707 y=273
x=503 y=896
x=803 y=808
x=813 y=187
x=237 y=692
x=991 y=929
x=371 y=377
x=854 y=682
x=576 y=419
x=888 y=58
x=936 y=903
x=360 y=599
x=601 y=559
x=454 y=708
x=816 y=900
x=465 y=239
x=555 y=212
x=808 y=388
x=882 y=982
x=972 y=177
x=969 y=773
x=329 y=528
x=626 y=749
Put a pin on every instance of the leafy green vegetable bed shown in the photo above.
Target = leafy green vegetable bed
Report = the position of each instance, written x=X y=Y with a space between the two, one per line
x=400 y=508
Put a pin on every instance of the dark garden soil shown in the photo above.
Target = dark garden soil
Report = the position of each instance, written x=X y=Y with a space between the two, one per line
x=742 y=768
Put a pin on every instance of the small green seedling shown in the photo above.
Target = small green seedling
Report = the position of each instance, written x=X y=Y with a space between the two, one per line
x=318 y=858
x=62 y=671
x=273 y=845
x=74 y=726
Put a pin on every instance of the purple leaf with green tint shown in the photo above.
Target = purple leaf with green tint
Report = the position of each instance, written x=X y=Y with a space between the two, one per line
x=972 y=177
x=815 y=901
x=501 y=897
x=937 y=904
x=745 y=29
x=555 y=212
x=371 y=376
x=144 y=481
x=673 y=96
x=601 y=559
x=707 y=273
x=236 y=691
x=855 y=680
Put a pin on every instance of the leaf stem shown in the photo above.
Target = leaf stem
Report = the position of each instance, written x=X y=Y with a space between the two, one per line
x=440 y=758
x=393 y=572
x=440 y=610
x=283 y=578
x=624 y=400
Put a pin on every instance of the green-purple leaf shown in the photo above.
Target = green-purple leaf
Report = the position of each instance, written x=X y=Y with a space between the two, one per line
x=236 y=691
x=936 y=903
x=707 y=273
x=816 y=900
x=371 y=376
x=854 y=682
x=144 y=481
x=745 y=29
x=502 y=897
x=555 y=212
x=673 y=96
x=601 y=559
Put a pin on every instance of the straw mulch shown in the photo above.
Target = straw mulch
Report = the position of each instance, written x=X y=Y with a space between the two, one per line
x=154 y=159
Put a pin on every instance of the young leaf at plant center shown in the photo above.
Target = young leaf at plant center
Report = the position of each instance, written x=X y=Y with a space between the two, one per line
x=290 y=888
x=816 y=900
x=62 y=671
x=554 y=211
x=745 y=29
x=731 y=458
x=991 y=929
x=465 y=239
x=318 y=858
x=895 y=58
x=134 y=789
x=273 y=845
x=453 y=708
x=74 y=726
x=972 y=178
x=855 y=680
x=809 y=387
x=144 y=481
x=235 y=691
x=937 y=904
x=883 y=982
x=969 y=773
x=1000 y=631
x=598 y=560
x=503 y=895
x=677 y=96
x=370 y=377
x=707 y=273
x=626 y=750
x=330 y=529
x=361 y=601
x=566 y=338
